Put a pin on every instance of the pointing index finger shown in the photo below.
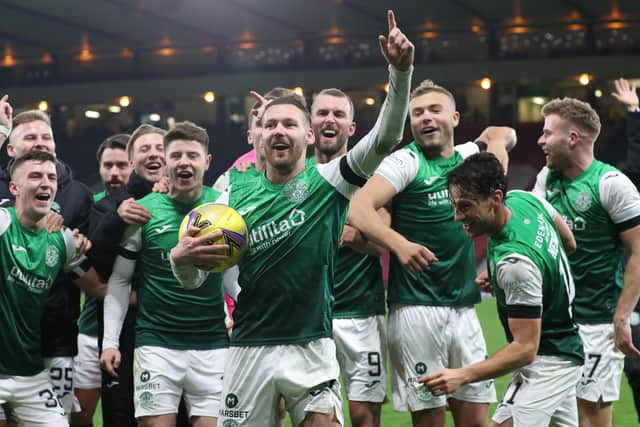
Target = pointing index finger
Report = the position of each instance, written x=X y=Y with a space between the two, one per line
x=391 y=18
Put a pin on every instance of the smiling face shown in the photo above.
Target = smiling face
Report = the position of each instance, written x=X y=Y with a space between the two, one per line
x=433 y=118
x=332 y=124
x=147 y=157
x=34 y=185
x=187 y=161
x=477 y=215
x=285 y=136
x=556 y=141
x=31 y=136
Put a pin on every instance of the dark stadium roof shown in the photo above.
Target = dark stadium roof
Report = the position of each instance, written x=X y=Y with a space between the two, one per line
x=50 y=29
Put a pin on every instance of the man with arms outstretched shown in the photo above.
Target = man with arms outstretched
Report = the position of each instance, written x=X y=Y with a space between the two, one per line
x=295 y=213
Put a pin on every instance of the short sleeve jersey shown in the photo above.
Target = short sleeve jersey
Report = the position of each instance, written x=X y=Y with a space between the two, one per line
x=422 y=212
x=530 y=238
x=287 y=274
x=29 y=261
x=598 y=205
x=168 y=315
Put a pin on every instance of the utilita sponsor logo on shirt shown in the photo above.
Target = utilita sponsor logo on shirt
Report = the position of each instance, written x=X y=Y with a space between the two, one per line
x=438 y=198
x=30 y=281
x=264 y=236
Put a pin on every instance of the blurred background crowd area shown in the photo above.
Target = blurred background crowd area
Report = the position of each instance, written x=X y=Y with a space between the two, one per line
x=110 y=65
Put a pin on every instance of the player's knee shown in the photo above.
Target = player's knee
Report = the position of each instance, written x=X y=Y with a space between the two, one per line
x=364 y=414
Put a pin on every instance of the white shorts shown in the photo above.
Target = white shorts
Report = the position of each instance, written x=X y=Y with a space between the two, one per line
x=161 y=376
x=423 y=339
x=361 y=352
x=256 y=377
x=61 y=378
x=32 y=401
x=541 y=394
x=86 y=365
x=603 y=364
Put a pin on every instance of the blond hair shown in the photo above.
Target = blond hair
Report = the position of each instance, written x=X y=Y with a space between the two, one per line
x=143 y=129
x=578 y=113
x=428 y=86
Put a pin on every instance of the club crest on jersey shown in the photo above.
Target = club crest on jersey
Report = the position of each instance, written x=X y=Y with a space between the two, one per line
x=583 y=201
x=296 y=191
x=52 y=257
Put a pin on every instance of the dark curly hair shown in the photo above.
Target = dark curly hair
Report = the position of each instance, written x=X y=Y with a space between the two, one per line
x=478 y=175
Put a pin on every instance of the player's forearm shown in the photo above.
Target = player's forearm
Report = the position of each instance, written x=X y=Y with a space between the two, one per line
x=188 y=275
x=630 y=290
x=500 y=140
x=363 y=216
x=367 y=247
x=515 y=355
x=499 y=137
x=367 y=154
x=91 y=284
x=116 y=302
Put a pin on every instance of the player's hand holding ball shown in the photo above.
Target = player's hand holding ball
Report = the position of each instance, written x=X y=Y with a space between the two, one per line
x=212 y=237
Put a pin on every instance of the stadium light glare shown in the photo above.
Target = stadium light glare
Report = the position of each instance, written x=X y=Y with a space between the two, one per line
x=584 y=79
x=43 y=105
x=485 y=83
x=124 y=101
x=386 y=87
x=538 y=100
x=114 y=109
x=597 y=93
x=370 y=101
x=154 y=117
x=298 y=91
x=91 y=114
x=209 y=97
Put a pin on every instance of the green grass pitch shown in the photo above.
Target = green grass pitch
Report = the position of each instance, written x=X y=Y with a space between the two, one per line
x=624 y=411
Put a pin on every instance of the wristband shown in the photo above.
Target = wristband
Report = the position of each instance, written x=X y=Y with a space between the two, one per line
x=5 y=131
x=481 y=145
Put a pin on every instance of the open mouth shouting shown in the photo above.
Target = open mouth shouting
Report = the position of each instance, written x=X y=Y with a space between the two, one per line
x=329 y=133
x=280 y=147
x=43 y=198
x=184 y=175
x=428 y=130
x=153 y=167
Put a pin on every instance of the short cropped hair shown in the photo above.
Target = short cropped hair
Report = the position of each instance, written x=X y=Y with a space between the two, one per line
x=115 y=142
x=337 y=93
x=479 y=176
x=30 y=116
x=290 y=100
x=141 y=130
x=37 y=155
x=428 y=86
x=188 y=131
x=578 y=113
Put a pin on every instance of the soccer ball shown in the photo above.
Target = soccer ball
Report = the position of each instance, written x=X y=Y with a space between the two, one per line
x=211 y=217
